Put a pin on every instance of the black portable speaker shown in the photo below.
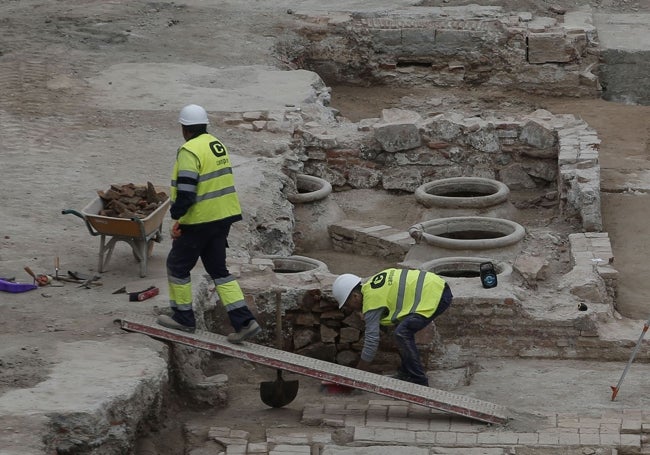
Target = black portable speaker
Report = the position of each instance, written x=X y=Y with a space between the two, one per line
x=488 y=275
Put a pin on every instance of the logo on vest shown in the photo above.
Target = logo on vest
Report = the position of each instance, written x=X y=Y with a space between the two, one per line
x=378 y=280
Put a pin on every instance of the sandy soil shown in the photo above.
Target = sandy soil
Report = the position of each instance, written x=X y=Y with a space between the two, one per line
x=59 y=145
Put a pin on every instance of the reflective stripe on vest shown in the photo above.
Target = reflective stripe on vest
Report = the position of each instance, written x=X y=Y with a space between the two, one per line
x=216 y=197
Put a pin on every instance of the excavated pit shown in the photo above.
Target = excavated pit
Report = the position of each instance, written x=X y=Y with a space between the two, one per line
x=368 y=224
x=462 y=221
x=529 y=302
x=470 y=196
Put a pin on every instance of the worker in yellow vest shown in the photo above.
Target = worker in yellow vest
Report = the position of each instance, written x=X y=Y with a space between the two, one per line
x=407 y=299
x=204 y=206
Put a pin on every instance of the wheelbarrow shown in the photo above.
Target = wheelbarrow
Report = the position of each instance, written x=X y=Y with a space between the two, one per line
x=139 y=233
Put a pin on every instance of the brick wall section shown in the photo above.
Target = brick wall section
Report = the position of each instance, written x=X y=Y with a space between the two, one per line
x=593 y=250
x=447 y=47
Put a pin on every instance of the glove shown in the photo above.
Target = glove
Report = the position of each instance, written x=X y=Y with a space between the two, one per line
x=175 y=231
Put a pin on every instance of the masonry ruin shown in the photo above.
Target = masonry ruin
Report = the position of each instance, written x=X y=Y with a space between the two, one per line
x=530 y=181
x=552 y=157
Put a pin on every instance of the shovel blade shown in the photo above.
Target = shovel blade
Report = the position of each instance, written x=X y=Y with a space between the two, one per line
x=278 y=393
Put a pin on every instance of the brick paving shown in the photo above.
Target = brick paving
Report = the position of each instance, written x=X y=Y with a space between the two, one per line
x=385 y=423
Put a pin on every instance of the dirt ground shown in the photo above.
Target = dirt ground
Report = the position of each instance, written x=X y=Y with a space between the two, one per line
x=58 y=145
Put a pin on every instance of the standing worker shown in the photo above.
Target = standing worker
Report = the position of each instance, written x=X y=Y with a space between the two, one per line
x=407 y=299
x=204 y=206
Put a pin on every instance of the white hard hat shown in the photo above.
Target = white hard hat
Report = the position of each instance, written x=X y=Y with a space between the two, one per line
x=343 y=286
x=193 y=114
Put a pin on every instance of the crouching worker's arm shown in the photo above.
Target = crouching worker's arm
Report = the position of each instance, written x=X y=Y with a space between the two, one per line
x=371 y=341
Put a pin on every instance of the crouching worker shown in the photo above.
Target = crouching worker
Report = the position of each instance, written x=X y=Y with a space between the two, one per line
x=407 y=299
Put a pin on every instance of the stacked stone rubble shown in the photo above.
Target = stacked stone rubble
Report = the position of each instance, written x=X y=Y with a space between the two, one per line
x=450 y=47
x=402 y=150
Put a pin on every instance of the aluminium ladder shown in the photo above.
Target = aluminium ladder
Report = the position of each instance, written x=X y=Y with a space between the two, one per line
x=382 y=385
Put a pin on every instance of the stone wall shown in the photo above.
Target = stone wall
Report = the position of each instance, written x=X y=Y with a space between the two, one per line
x=402 y=150
x=449 y=47
x=512 y=320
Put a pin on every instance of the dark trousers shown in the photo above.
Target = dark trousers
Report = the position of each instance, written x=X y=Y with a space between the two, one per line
x=208 y=242
x=411 y=368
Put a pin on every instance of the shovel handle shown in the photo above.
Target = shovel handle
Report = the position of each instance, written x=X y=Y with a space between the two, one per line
x=279 y=342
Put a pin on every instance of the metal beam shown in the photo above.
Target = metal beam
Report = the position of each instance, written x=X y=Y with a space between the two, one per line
x=319 y=369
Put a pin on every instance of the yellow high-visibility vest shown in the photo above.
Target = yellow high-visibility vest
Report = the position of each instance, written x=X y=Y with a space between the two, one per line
x=401 y=292
x=216 y=198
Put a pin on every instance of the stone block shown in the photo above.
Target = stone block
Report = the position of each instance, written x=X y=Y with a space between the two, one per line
x=349 y=335
x=549 y=47
x=405 y=179
x=386 y=38
x=398 y=130
x=484 y=140
x=418 y=42
x=458 y=40
x=538 y=135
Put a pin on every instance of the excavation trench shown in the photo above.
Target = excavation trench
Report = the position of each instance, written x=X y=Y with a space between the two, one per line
x=463 y=221
x=444 y=192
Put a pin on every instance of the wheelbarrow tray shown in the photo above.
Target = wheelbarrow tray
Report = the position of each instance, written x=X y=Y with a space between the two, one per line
x=139 y=233
x=124 y=227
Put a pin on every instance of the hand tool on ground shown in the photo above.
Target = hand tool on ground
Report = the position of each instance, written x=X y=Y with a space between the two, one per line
x=278 y=393
x=86 y=283
x=139 y=296
x=73 y=280
x=31 y=273
x=84 y=280
x=121 y=290
x=13 y=287
x=83 y=276
x=617 y=387
x=41 y=280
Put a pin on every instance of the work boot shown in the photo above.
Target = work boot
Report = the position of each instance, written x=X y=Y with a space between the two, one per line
x=157 y=311
x=401 y=375
x=246 y=332
x=180 y=320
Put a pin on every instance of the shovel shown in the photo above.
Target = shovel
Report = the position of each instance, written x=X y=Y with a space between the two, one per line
x=278 y=393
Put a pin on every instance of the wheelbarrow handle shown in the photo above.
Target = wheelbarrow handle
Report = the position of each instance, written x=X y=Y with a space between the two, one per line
x=80 y=215
x=72 y=212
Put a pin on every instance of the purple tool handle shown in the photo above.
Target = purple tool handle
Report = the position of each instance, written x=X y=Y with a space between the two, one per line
x=10 y=286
